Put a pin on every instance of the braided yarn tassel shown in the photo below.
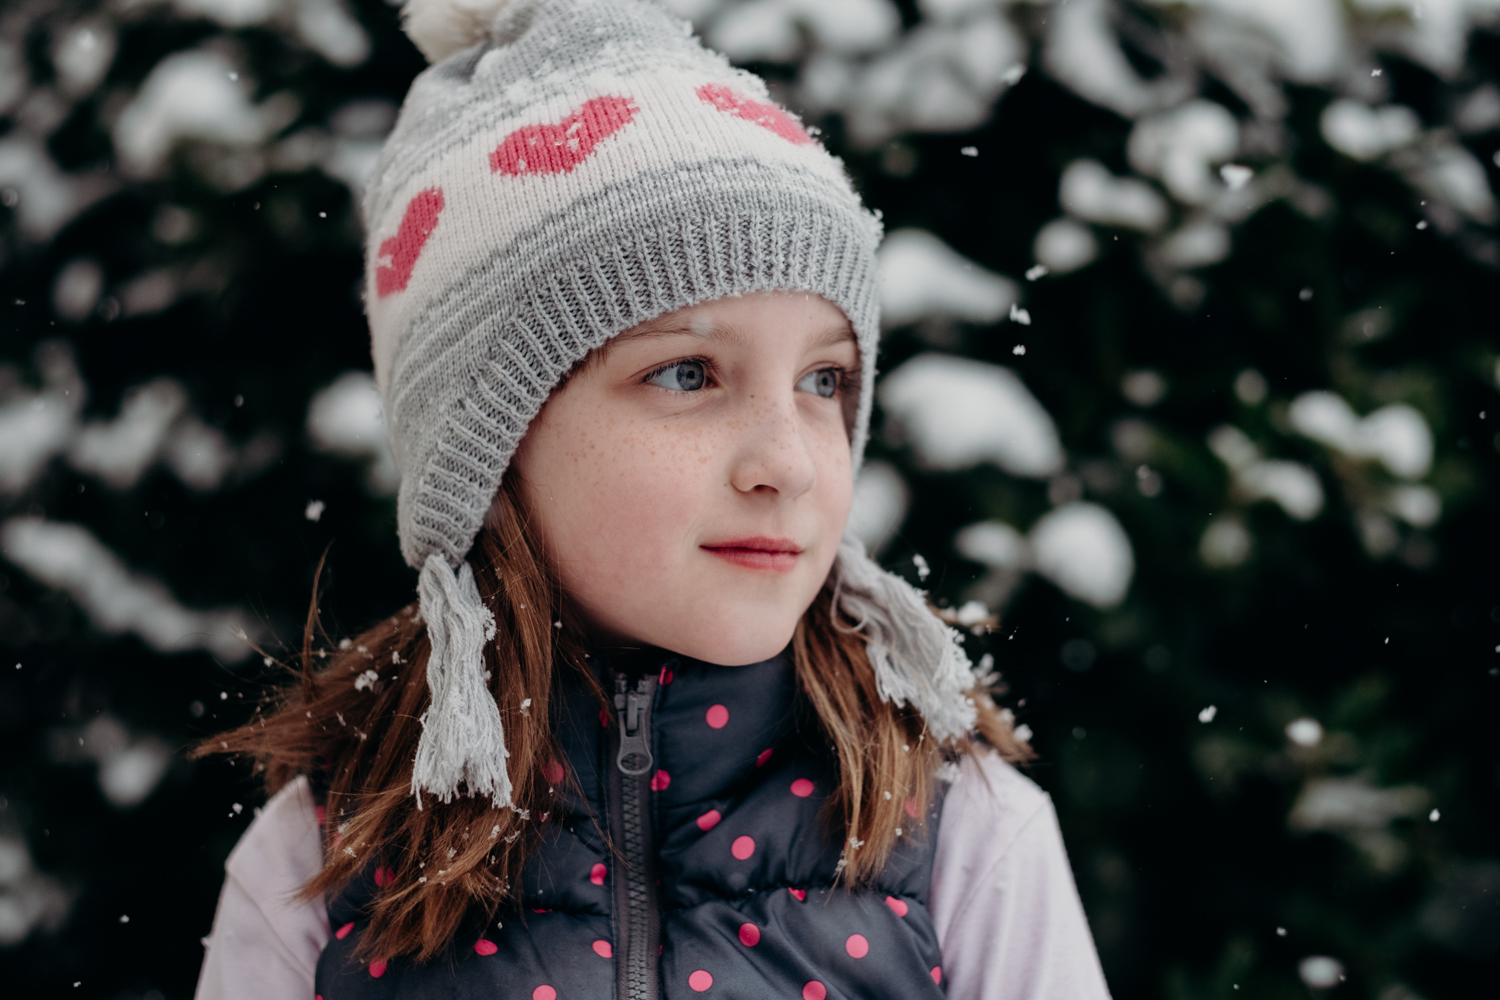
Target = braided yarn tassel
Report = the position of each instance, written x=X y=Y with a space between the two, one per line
x=918 y=660
x=462 y=736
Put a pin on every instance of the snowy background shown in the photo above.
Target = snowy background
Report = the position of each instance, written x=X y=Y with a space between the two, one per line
x=1192 y=359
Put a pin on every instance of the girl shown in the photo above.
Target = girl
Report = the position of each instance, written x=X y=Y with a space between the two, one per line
x=653 y=727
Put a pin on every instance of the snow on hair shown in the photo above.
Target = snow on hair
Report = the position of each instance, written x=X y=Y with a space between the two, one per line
x=440 y=28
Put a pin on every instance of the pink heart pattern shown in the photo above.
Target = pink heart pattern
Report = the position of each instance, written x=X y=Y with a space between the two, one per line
x=558 y=148
x=398 y=255
x=767 y=116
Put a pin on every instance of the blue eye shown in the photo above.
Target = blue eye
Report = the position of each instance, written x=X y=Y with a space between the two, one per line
x=823 y=382
x=683 y=376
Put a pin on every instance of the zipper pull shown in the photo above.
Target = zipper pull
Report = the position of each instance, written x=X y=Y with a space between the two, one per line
x=633 y=709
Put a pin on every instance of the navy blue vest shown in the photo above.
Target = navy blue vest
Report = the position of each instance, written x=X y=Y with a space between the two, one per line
x=695 y=862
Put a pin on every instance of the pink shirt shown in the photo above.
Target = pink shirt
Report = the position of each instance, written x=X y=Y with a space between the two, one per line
x=1003 y=900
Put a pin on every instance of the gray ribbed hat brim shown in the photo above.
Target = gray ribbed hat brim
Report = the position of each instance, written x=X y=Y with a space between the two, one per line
x=479 y=363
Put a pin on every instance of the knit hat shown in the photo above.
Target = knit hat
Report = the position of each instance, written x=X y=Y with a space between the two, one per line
x=565 y=170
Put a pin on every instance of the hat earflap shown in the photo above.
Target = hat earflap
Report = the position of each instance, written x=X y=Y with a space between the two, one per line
x=918 y=660
x=463 y=739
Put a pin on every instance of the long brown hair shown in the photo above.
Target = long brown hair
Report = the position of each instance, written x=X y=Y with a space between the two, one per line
x=352 y=717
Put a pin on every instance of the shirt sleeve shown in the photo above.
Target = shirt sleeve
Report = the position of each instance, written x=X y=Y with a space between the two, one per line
x=265 y=940
x=1006 y=909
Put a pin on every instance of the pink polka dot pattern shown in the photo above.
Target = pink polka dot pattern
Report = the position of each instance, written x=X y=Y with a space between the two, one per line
x=660 y=780
x=553 y=772
x=857 y=946
x=763 y=756
x=717 y=717
x=749 y=935
x=603 y=949
x=709 y=820
x=898 y=906
x=666 y=676
x=384 y=877
x=801 y=894
x=742 y=847
x=377 y=968
x=814 y=991
x=911 y=807
x=603 y=719
x=343 y=931
x=700 y=980
x=485 y=946
x=319 y=814
x=544 y=992
x=802 y=788
x=937 y=974
x=597 y=874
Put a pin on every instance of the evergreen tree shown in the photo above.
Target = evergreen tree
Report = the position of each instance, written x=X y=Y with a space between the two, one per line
x=1189 y=415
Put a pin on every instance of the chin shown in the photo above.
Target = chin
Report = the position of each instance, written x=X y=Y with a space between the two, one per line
x=756 y=637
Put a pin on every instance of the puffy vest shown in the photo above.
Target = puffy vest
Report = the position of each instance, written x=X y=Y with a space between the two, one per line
x=695 y=862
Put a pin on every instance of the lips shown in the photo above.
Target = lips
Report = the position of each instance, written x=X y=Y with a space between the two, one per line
x=776 y=554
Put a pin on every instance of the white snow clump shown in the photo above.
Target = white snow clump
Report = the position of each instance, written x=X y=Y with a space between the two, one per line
x=28 y=899
x=1353 y=803
x=922 y=277
x=772 y=29
x=1291 y=485
x=881 y=499
x=1082 y=548
x=46 y=198
x=1418 y=506
x=119 y=451
x=956 y=413
x=195 y=96
x=130 y=768
x=943 y=76
x=1320 y=972
x=346 y=418
x=69 y=558
x=1364 y=133
x=1180 y=147
x=1305 y=732
x=1063 y=245
x=1226 y=543
x=1448 y=173
x=1397 y=436
x=1082 y=53
x=1090 y=192
x=35 y=426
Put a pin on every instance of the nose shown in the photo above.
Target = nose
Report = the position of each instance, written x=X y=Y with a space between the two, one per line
x=772 y=453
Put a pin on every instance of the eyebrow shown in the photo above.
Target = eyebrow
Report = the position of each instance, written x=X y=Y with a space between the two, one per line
x=727 y=333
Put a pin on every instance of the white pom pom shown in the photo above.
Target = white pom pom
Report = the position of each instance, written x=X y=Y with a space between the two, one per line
x=440 y=28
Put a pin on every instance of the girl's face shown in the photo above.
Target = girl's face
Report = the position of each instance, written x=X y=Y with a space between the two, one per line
x=691 y=481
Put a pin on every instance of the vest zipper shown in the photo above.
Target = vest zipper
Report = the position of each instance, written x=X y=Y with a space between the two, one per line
x=638 y=924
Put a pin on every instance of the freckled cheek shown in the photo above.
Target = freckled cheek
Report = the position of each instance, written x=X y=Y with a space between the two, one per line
x=836 y=478
x=641 y=490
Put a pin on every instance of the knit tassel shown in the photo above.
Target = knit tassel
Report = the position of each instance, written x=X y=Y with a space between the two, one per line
x=918 y=660
x=462 y=736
